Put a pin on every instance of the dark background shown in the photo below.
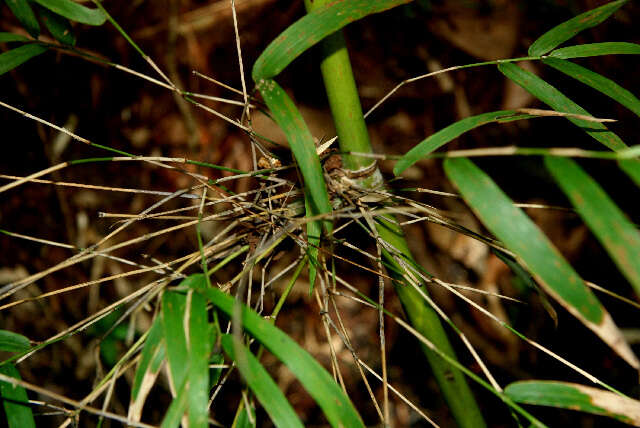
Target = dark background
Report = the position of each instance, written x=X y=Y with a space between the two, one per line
x=119 y=110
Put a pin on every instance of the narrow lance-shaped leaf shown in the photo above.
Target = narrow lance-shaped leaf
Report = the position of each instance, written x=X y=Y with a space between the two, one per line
x=263 y=386
x=200 y=343
x=559 y=102
x=615 y=232
x=596 y=49
x=174 y=305
x=177 y=407
x=15 y=57
x=15 y=401
x=12 y=37
x=151 y=361
x=576 y=397
x=319 y=384
x=58 y=26
x=563 y=32
x=522 y=237
x=13 y=342
x=450 y=133
x=301 y=142
x=74 y=11
x=597 y=81
x=22 y=10
x=311 y=29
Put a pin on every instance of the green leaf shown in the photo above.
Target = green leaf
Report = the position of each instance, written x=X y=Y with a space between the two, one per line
x=200 y=343
x=336 y=405
x=188 y=359
x=615 y=232
x=176 y=408
x=631 y=167
x=450 y=133
x=246 y=418
x=11 y=37
x=22 y=10
x=301 y=142
x=74 y=11
x=563 y=32
x=545 y=263
x=15 y=401
x=59 y=27
x=13 y=58
x=596 y=49
x=151 y=360
x=576 y=397
x=311 y=29
x=174 y=305
x=597 y=81
x=13 y=342
x=559 y=102
x=262 y=385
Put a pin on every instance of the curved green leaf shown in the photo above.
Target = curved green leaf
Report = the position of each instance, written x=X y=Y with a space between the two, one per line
x=185 y=316
x=174 y=305
x=22 y=10
x=319 y=384
x=521 y=236
x=576 y=397
x=559 y=102
x=12 y=37
x=15 y=57
x=177 y=407
x=13 y=342
x=301 y=142
x=59 y=27
x=15 y=401
x=451 y=132
x=563 y=32
x=597 y=81
x=200 y=344
x=596 y=49
x=615 y=232
x=74 y=11
x=311 y=29
x=262 y=385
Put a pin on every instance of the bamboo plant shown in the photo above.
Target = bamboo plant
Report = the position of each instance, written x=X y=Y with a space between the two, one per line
x=186 y=334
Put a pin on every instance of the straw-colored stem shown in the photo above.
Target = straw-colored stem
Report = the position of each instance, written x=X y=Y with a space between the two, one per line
x=353 y=137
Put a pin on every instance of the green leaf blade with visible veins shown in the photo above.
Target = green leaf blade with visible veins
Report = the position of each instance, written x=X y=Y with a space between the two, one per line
x=565 y=31
x=560 y=102
x=266 y=390
x=74 y=11
x=615 y=232
x=597 y=81
x=596 y=49
x=522 y=237
x=311 y=29
x=335 y=404
x=573 y=396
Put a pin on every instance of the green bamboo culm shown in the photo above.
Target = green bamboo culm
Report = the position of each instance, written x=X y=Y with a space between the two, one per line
x=353 y=137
